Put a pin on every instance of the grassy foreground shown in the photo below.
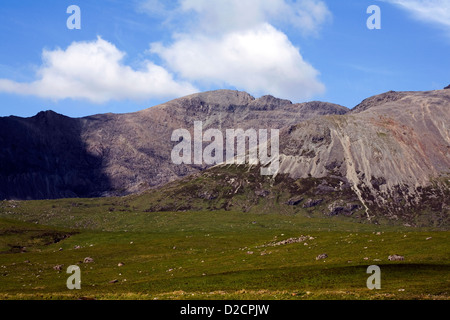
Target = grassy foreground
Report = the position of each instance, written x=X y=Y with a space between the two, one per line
x=210 y=255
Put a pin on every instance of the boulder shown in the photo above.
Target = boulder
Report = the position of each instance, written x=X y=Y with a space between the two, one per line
x=322 y=256
x=88 y=260
x=396 y=257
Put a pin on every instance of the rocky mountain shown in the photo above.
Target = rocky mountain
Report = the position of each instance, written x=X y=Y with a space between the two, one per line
x=53 y=156
x=389 y=158
x=393 y=150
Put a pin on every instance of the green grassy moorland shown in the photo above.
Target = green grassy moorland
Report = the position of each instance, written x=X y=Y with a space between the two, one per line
x=210 y=255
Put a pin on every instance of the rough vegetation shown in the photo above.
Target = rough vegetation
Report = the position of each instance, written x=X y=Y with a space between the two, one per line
x=127 y=253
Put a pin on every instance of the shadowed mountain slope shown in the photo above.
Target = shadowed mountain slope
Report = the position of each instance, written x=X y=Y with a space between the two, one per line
x=53 y=156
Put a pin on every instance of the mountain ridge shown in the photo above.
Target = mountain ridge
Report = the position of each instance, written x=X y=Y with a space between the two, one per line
x=129 y=152
x=389 y=161
x=389 y=156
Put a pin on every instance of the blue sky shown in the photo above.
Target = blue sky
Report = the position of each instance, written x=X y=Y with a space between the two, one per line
x=131 y=55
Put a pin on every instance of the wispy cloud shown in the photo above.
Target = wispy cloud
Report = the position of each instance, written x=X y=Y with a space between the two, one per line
x=219 y=16
x=307 y=16
x=370 y=70
x=432 y=11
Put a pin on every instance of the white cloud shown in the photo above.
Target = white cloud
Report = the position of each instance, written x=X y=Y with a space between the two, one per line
x=260 y=60
x=306 y=16
x=94 y=71
x=223 y=43
x=434 y=11
x=234 y=43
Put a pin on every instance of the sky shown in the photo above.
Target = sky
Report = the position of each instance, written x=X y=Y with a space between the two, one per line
x=131 y=55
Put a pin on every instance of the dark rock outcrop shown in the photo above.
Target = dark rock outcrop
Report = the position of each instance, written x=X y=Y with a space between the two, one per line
x=341 y=208
x=312 y=203
x=294 y=201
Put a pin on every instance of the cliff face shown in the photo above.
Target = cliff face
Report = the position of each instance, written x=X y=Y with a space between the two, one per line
x=53 y=156
x=394 y=152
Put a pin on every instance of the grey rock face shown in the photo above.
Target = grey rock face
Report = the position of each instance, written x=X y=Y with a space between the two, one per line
x=394 y=153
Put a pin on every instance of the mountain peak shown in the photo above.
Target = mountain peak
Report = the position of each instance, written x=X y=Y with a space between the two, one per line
x=323 y=108
x=379 y=99
x=221 y=97
x=270 y=102
x=47 y=114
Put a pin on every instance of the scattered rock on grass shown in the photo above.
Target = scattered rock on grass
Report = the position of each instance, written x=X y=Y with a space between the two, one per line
x=396 y=257
x=287 y=241
x=88 y=260
x=322 y=256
